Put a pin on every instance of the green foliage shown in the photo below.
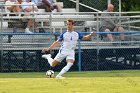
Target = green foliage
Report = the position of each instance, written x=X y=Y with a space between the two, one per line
x=127 y=5
x=131 y=5
x=97 y=4
x=67 y=3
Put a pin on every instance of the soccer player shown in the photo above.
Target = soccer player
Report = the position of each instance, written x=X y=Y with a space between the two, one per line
x=69 y=40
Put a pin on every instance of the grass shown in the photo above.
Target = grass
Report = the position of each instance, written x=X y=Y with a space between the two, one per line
x=125 y=81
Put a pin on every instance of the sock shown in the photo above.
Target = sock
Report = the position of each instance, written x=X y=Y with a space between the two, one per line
x=50 y=60
x=65 y=69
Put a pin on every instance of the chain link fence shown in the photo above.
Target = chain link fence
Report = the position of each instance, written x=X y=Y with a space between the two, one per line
x=88 y=5
x=22 y=51
x=90 y=57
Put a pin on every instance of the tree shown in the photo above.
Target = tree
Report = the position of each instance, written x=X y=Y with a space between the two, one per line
x=127 y=5
x=131 y=5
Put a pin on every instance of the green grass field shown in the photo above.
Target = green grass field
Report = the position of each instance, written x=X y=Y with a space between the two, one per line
x=125 y=81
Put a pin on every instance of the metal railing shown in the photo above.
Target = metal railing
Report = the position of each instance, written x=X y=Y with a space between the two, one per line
x=79 y=18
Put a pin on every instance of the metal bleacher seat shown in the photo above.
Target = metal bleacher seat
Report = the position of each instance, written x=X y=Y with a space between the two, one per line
x=55 y=24
x=91 y=25
x=68 y=10
x=2 y=2
x=57 y=20
x=3 y=24
x=61 y=24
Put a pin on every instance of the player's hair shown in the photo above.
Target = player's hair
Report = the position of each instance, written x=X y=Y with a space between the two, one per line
x=70 y=20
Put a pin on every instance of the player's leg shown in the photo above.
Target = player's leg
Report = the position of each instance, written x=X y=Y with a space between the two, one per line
x=70 y=60
x=53 y=62
x=66 y=68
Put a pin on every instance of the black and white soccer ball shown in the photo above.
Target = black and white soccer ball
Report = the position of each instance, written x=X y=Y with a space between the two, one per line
x=50 y=74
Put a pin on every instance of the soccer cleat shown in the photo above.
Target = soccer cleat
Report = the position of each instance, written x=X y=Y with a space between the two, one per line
x=46 y=56
x=59 y=77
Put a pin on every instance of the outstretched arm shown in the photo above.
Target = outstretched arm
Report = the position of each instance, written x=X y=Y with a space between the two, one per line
x=86 y=37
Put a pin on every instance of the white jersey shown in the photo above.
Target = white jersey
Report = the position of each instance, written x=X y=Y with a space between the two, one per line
x=69 y=40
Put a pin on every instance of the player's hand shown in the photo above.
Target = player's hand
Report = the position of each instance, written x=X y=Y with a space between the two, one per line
x=45 y=49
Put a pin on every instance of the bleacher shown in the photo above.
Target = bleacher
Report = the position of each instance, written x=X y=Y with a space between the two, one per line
x=56 y=20
x=56 y=23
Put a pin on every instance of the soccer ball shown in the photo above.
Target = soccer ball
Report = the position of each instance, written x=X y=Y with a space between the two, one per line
x=50 y=73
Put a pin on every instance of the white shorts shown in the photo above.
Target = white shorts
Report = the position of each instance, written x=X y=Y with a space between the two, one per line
x=62 y=55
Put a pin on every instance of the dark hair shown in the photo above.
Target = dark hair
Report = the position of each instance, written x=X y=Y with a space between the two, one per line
x=70 y=20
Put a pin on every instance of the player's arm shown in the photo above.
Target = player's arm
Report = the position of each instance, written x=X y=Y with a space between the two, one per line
x=86 y=37
x=53 y=45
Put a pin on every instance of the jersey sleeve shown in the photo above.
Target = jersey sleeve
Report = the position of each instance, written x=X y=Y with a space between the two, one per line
x=60 y=39
x=80 y=35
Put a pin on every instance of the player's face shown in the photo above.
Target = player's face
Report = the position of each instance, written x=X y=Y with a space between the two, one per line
x=69 y=26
